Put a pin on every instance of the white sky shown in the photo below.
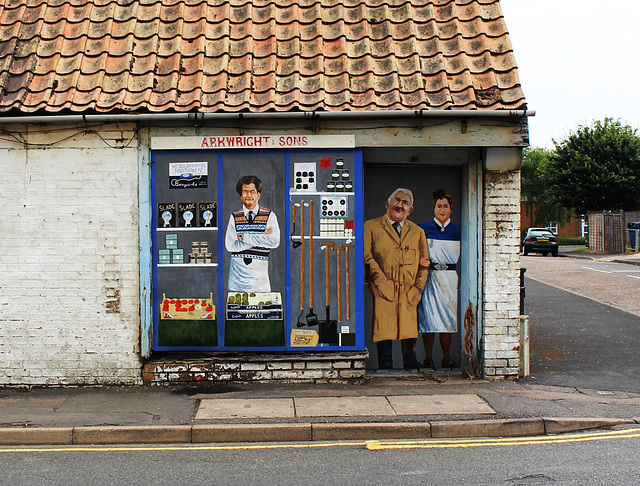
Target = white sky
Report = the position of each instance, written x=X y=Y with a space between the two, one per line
x=578 y=61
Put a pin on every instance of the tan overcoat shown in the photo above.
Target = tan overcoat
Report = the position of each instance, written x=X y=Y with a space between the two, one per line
x=395 y=278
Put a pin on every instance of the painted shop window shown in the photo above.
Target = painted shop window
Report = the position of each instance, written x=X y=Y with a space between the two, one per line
x=257 y=250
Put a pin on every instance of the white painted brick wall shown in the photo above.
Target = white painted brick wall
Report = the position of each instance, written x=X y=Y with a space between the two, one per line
x=501 y=285
x=69 y=286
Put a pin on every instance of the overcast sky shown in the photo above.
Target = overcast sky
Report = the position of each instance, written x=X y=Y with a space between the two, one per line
x=578 y=61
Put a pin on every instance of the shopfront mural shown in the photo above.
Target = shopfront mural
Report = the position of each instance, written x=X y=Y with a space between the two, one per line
x=414 y=268
x=280 y=273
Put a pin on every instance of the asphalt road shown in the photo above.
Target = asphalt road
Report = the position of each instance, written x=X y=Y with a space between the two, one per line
x=615 y=284
x=569 y=460
x=588 y=340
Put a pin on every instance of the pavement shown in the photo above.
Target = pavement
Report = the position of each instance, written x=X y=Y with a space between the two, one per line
x=392 y=405
x=389 y=405
x=580 y=251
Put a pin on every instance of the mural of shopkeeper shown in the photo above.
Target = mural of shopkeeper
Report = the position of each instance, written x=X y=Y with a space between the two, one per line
x=393 y=250
x=252 y=233
x=439 y=305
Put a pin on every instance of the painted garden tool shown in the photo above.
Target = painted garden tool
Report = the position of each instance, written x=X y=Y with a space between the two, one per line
x=295 y=244
x=348 y=278
x=328 y=329
x=300 y=323
x=338 y=249
x=312 y=319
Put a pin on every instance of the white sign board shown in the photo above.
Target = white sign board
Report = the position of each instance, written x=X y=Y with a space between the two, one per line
x=227 y=142
x=177 y=169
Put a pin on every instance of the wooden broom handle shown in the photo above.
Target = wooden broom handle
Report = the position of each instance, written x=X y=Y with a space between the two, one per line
x=302 y=255
x=311 y=254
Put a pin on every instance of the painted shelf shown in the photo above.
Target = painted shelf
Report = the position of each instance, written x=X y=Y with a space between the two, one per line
x=192 y=265
x=195 y=228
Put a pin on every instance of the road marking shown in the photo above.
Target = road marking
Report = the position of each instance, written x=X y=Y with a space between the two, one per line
x=503 y=442
x=613 y=271
x=190 y=447
x=596 y=270
x=633 y=276
x=373 y=445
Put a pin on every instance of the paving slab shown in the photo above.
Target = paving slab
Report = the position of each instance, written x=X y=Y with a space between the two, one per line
x=453 y=404
x=247 y=408
x=343 y=407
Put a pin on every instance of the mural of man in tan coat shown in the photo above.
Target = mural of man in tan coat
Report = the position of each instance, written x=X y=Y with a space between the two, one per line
x=393 y=249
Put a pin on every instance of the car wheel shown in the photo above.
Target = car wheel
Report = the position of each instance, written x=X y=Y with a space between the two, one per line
x=545 y=253
x=526 y=252
x=555 y=253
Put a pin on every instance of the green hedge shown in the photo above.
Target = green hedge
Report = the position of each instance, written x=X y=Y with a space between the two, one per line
x=571 y=241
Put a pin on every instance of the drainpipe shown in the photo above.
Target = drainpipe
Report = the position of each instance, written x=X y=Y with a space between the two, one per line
x=195 y=117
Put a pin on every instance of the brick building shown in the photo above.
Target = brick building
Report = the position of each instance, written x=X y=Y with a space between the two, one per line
x=103 y=105
x=573 y=229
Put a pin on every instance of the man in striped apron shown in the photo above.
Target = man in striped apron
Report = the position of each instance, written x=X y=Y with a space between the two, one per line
x=252 y=233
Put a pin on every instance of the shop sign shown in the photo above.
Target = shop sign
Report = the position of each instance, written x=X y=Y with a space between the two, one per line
x=253 y=142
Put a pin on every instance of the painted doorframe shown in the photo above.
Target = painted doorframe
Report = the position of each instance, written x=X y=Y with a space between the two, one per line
x=472 y=258
x=144 y=227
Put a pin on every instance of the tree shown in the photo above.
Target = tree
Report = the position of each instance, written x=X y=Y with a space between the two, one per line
x=543 y=205
x=597 y=167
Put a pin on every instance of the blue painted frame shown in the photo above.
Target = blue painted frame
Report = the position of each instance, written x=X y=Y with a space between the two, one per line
x=358 y=256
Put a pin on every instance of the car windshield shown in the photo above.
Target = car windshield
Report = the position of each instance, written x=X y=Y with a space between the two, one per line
x=538 y=233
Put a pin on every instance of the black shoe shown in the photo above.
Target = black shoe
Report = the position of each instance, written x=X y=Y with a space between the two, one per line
x=429 y=364
x=450 y=365
x=415 y=365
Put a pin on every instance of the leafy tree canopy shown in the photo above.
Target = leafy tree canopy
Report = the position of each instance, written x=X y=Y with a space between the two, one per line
x=597 y=167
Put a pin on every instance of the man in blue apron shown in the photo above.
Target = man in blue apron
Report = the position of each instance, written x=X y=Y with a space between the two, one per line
x=252 y=233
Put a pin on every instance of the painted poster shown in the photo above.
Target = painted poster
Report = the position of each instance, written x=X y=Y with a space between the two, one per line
x=188 y=175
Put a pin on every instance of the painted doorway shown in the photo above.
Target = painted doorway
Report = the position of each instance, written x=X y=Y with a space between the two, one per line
x=380 y=181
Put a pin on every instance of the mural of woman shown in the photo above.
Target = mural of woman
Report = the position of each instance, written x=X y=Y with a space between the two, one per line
x=437 y=311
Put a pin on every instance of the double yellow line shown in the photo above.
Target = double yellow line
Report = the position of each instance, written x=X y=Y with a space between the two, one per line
x=372 y=445
x=503 y=441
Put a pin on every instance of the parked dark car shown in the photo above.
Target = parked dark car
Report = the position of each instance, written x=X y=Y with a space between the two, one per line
x=539 y=240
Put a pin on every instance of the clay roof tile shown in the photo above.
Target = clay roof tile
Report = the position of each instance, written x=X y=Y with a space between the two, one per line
x=157 y=55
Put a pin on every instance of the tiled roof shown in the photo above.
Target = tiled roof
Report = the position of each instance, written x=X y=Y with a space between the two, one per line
x=255 y=55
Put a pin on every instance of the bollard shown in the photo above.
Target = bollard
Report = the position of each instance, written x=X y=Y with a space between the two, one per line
x=522 y=290
x=523 y=366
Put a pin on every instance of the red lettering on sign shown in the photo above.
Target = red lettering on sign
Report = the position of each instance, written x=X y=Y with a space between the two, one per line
x=293 y=141
x=254 y=141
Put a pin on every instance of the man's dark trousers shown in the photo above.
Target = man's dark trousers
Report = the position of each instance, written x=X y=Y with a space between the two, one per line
x=385 y=354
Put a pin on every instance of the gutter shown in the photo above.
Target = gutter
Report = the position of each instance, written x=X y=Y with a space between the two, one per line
x=196 y=117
